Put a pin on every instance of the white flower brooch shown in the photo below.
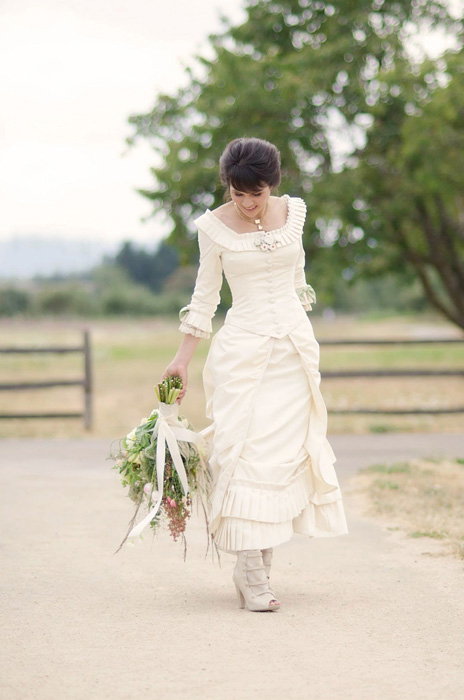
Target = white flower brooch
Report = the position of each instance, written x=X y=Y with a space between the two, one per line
x=267 y=241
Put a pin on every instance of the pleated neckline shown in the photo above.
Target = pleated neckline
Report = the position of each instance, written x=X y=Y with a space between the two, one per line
x=218 y=231
x=253 y=233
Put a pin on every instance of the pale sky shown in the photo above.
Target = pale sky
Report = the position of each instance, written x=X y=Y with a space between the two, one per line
x=71 y=72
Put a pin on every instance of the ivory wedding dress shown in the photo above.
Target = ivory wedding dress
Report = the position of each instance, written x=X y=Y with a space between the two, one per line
x=268 y=449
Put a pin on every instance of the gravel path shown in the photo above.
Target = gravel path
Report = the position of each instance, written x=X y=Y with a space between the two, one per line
x=369 y=616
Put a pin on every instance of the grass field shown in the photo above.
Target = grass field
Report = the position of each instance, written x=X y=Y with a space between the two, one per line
x=129 y=356
x=424 y=498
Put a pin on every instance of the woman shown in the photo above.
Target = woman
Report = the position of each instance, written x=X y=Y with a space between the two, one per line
x=269 y=454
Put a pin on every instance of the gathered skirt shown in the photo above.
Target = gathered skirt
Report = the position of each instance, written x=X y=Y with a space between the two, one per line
x=271 y=462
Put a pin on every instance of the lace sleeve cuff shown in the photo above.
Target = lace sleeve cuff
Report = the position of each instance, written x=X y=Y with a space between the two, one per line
x=195 y=324
x=307 y=296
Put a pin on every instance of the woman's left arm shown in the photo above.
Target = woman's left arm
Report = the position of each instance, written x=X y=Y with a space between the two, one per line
x=305 y=292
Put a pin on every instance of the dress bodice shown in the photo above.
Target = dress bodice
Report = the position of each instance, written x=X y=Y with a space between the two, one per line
x=264 y=297
x=265 y=272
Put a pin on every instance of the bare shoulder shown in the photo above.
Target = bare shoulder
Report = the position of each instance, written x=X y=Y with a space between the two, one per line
x=280 y=204
x=223 y=212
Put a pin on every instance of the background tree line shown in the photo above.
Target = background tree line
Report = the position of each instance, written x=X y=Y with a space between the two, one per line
x=134 y=281
x=138 y=282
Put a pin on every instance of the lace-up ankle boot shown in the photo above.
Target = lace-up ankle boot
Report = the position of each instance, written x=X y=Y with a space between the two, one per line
x=251 y=582
x=267 y=560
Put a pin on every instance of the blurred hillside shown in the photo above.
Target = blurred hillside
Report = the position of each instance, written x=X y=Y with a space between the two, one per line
x=26 y=256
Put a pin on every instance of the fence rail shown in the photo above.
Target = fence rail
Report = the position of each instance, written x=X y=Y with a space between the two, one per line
x=86 y=382
x=382 y=373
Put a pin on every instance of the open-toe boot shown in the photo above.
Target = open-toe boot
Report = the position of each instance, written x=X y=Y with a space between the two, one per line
x=251 y=582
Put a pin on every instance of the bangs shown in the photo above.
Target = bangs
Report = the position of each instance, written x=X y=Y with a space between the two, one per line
x=249 y=165
x=245 y=179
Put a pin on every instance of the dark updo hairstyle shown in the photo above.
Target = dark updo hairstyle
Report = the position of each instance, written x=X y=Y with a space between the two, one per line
x=249 y=164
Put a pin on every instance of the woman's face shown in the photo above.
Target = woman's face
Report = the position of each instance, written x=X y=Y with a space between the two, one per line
x=252 y=204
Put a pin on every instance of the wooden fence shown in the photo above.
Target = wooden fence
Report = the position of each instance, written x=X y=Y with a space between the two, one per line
x=85 y=382
x=348 y=374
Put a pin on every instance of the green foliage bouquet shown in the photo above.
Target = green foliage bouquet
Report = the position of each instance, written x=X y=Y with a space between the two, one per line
x=163 y=462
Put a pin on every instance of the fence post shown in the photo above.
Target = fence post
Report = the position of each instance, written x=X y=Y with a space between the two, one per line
x=88 y=418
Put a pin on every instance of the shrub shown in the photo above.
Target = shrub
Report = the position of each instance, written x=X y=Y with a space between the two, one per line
x=66 y=299
x=14 y=301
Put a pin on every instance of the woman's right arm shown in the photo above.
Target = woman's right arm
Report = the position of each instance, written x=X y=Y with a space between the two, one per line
x=196 y=317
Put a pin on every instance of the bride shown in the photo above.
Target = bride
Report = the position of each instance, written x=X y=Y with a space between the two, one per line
x=268 y=449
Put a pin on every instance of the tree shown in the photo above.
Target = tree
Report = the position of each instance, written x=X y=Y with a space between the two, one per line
x=149 y=269
x=403 y=200
x=311 y=77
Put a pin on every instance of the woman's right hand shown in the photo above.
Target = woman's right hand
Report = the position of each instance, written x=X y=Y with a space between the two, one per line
x=178 y=370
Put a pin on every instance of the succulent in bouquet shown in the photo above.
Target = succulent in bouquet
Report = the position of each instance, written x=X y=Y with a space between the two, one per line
x=163 y=463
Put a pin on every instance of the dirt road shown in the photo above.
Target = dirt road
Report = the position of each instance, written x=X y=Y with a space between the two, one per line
x=370 y=616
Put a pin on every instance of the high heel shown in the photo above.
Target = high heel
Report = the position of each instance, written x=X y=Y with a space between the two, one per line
x=251 y=582
x=240 y=597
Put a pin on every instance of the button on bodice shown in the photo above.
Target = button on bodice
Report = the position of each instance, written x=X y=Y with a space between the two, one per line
x=264 y=299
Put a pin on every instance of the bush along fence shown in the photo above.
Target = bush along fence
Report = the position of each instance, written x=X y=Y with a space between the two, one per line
x=413 y=372
x=85 y=381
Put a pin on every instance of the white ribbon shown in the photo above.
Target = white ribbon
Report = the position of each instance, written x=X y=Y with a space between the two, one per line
x=168 y=431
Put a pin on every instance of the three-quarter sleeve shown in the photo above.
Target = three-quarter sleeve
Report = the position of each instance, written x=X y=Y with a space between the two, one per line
x=196 y=317
x=305 y=292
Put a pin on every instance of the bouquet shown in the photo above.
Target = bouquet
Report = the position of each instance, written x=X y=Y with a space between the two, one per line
x=163 y=463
